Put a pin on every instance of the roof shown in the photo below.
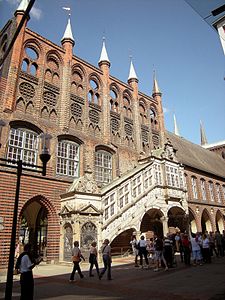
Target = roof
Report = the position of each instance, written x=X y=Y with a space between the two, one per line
x=196 y=156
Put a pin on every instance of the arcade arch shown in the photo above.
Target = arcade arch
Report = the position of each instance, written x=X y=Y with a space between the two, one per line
x=206 y=223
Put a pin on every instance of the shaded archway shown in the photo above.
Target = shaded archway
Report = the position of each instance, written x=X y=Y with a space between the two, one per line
x=219 y=222
x=192 y=222
x=121 y=243
x=177 y=219
x=151 y=221
x=88 y=235
x=205 y=221
x=39 y=225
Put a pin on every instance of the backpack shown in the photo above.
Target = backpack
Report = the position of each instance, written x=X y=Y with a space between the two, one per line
x=158 y=245
x=18 y=261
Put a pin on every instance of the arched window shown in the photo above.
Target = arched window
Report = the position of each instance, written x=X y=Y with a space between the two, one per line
x=93 y=94
x=218 y=192
x=194 y=187
x=211 y=191
x=23 y=145
x=103 y=166
x=203 y=189
x=142 y=111
x=114 y=105
x=127 y=107
x=29 y=63
x=68 y=158
x=153 y=118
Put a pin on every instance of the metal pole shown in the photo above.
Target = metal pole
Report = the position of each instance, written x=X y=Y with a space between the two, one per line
x=9 y=282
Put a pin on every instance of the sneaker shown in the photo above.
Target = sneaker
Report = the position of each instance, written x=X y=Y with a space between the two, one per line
x=71 y=280
x=156 y=270
x=166 y=269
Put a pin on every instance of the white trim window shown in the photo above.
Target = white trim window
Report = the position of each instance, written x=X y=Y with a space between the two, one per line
x=158 y=174
x=23 y=145
x=194 y=187
x=123 y=196
x=203 y=189
x=211 y=191
x=109 y=206
x=218 y=191
x=67 y=158
x=172 y=177
x=103 y=166
x=148 y=178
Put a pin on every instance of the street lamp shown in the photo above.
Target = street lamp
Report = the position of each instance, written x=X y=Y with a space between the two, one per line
x=18 y=165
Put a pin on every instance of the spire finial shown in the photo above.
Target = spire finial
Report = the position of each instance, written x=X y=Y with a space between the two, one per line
x=176 y=130
x=104 y=55
x=132 y=73
x=68 y=35
x=23 y=5
x=156 y=89
x=203 y=135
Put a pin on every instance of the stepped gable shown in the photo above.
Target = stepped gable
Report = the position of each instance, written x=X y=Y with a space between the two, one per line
x=196 y=156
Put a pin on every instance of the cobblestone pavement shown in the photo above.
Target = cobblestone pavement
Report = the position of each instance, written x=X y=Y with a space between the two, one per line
x=205 y=282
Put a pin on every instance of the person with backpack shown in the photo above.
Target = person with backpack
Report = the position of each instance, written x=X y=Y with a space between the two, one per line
x=159 y=253
x=24 y=266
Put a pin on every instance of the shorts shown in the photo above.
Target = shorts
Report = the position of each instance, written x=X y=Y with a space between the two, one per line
x=158 y=255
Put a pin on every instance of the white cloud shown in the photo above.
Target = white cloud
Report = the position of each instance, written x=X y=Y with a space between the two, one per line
x=36 y=13
x=166 y=110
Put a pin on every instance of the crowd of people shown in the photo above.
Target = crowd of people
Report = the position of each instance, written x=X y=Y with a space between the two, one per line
x=193 y=249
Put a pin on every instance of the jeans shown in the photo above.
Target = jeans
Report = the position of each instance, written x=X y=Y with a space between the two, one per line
x=107 y=266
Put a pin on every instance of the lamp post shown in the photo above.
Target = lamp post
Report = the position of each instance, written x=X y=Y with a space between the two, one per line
x=19 y=165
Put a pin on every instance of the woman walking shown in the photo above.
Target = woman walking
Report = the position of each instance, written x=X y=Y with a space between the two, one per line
x=93 y=259
x=76 y=257
x=107 y=260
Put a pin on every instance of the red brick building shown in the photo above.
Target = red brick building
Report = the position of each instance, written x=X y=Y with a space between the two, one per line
x=104 y=132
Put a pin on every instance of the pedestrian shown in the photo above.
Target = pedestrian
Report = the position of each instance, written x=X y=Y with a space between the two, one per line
x=196 y=250
x=107 y=259
x=24 y=266
x=168 y=251
x=143 y=251
x=206 y=249
x=187 y=249
x=134 y=245
x=159 y=257
x=93 y=259
x=76 y=257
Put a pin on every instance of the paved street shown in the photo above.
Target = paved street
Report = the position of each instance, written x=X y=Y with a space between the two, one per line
x=196 y=283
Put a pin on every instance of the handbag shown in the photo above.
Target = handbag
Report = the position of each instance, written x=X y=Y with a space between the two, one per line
x=76 y=258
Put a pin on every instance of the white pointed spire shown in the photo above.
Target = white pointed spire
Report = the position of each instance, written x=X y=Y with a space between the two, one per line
x=203 y=135
x=104 y=55
x=176 y=130
x=68 y=32
x=23 y=5
x=132 y=74
x=155 y=85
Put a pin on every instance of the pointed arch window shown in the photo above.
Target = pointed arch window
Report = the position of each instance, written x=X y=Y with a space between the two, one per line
x=68 y=158
x=127 y=107
x=219 y=194
x=203 y=189
x=23 y=145
x=114 y=105
x=194 y=187
x=29 y=63
x=143 y=116
x=153 y=118
x=211 y=191
x=93 y=94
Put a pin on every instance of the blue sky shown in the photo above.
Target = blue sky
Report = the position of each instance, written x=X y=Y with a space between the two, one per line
x=168 y=36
